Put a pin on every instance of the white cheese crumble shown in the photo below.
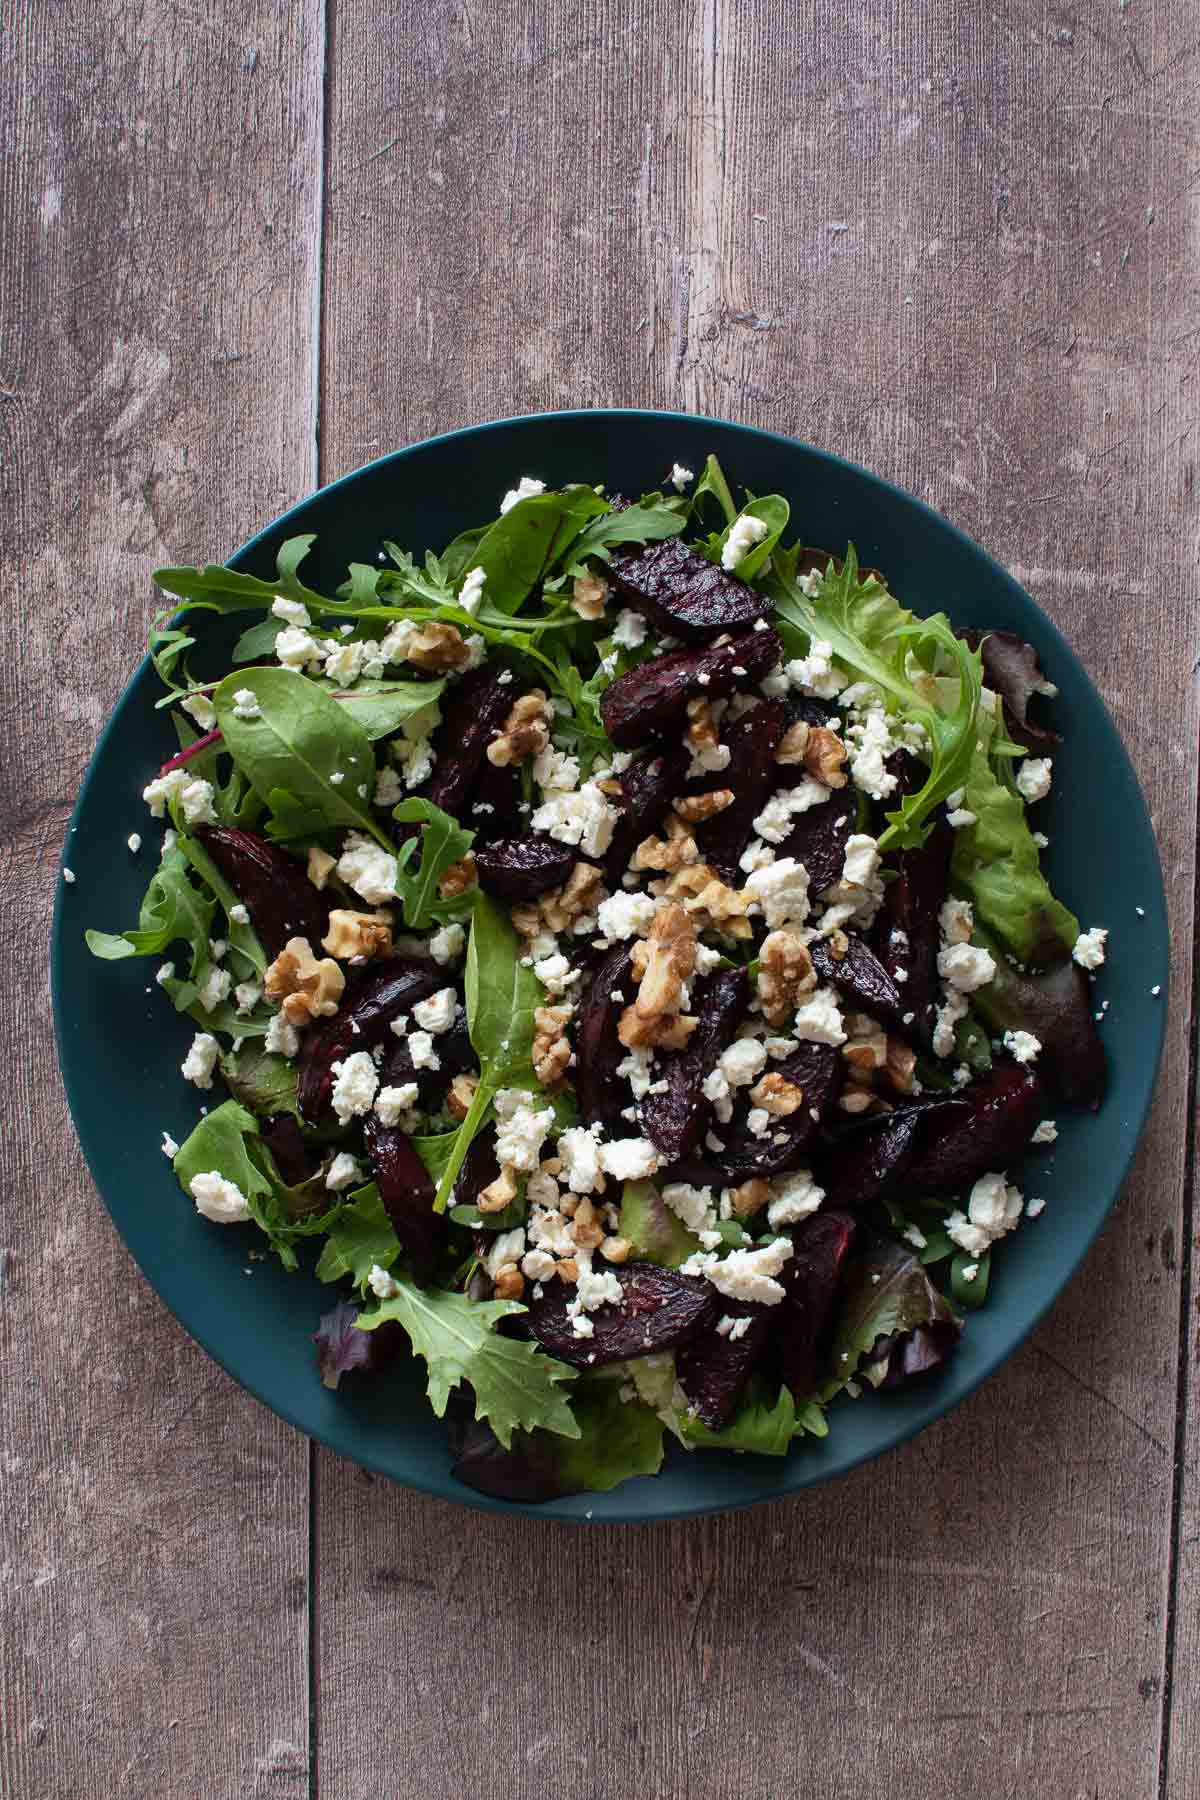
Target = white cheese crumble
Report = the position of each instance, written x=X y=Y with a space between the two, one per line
x=781 y=889
x=793 y=1197
x=247 y=995
x=297 y=649
x=744 y=1274
x=214 y=988
x=389 y=789
x=869 y=740
x=957 y=921
x=629 y=1159
x=680 y=477
x=520 y=1130
x=1090 y=947
x=201 y=1060
x=819 y=1018
x=282 y=1038
x=630 y=629
x=743 y=1062
x=509 y=1247
x=555 y=771
x=448 y=944
x=421 y=1050
x=134 y=841
x=579 y=1151
x=201 y=709
x=949 y=1013
x=1046 y=1133
x=471 y=591
x=992 y=1211
x=436 y=1014
x=815 y=674
x=1033 y=778
x=245 y=704
x=168 y=1146
x=625 y=915
x=391 y=1103
x=733 y=1329
x=774 y=822
x=965 y=967
x=219 y=1200
x=341 y=1172
x=381 y=1284
x=584 y=818
x=743 y=534
x=368 y=869
x=356 y=1082
x=1022 y=1046
x=692 y=1205
x=528 y=488
x=292 y=612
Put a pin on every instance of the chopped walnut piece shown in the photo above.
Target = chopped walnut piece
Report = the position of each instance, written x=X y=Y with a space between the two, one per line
x=588 y=595
x=580 y=893
x=670 y=1032
x=899 y=1065
x=462 y=1093
x=499 y=1193
x=676 y=851
x=306 y=989
x=458 y=878
x=509 y=1283
x=586 y=1228
x=669 y=956
x=438 y=647
x=616 y=1249
x=702 y=731
x=785 y=973
x=358 y=933
x=567 y=1270
x=824 y=756
x=526 y=919
x=750 y=1197
x=693 y=809
x=777 y=1095
x=524 y=733
x=551 y=1046
x=792 y=745
x=320 y=865
x=710 y=901
x=856 y=1100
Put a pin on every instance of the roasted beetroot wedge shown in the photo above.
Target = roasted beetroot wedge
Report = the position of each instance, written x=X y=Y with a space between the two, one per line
x=819 y=837
x=1057 y=1008
x=652 y=699
x=281 y=900
x=479 y=706
x=647 y=790
x=812 y=1278
x=282 y=1135
x=479 y=1169
x=495 y=807
x=682 y=593
x=660 y=1309
x=675 y=1119
x=407 y=1194
x=817 y=1070
x=1011 y=667
x=859 y=975
x=906 y=930
x=368 y=1007
x=1005 y=1104
x=870 y=1161
x=751 y=775
x=520 y=868
x=713 y=1368
x=600 y=1093
x=455 y=1056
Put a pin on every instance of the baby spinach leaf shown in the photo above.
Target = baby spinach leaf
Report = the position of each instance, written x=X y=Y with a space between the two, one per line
x=524 y=544
x=516 y=1386
x=304 y=743
x=774 y=511
x=258 y=641
x=442 y=843
x=712 y=481
x=171 y=909
x=382 y=707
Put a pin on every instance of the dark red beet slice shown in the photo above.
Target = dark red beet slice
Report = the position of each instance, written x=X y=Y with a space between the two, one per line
x=455 y=1055
x=647 y=790
x=812 y=1279
x=1005 y=1104
x=660 y=1309
x=871 y=1161
x=675 y=1119
x=682 y=593
x=652 y=699
x=1057 y=1008
x=601 y=1094
x=819 y=837
x=368 y=1007
x=521 y=868
x=907 y=933
x=1011 y=667
x=861 y=977
x=281 y=900
x=282 y=1135
x=751 y=775
x=477 y=708
x=480 y=1168
x=713 y=1369
x=817 y=1070
x=407 y=1193
x=494 y=810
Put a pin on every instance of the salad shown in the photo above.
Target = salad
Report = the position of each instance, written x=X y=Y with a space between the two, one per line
x=622 y=947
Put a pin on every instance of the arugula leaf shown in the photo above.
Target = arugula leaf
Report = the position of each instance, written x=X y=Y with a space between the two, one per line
x=523 y=546
x=760 y=1426
x=997 y=866
x=222 y=1142
x=633 y=525
x=872 y=634
x=774 y=512
x=443 y=842
x=890 y=1293
x=359 y=1237
x=171 y=908
x=516 y=1385
x=258 y=641
x=712 y=481
x=501 y=996
x=301 y=739
x=243 y=938
x=225 y=590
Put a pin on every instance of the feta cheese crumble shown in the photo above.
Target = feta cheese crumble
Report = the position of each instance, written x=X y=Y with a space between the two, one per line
x=471 y=591
x=584 y=818
x=1033 y=778
x=625 y=915
x=579 y=1151
x=382 y=1284
x=630 y=629
x=629 y=1159
x=219 y=1200
x=448 y=944
x=368 y=869
x=201 y=1060
x=793 y=1197
x=744 y=1274
x=341 y=1172
x=680 y=477
x=781 y=890
x=1046 y=1133
x=356 y=1082
x=743 y=534
x=819 y=1018
x=1089 y=948
x=436 y=1014
x=520 y=1130
x=528 y=488
x=965 y=967
x=1022 y=1046
x=992 y=1211
x=391 y=1103
x=245 y=704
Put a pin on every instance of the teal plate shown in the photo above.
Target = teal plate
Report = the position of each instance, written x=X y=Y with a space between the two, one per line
x=121 y=1045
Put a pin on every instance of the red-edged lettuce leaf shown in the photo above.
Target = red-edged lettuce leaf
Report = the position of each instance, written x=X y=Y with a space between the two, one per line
x=893 y=1324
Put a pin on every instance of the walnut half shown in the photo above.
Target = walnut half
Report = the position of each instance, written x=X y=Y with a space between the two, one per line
x=305 y=988
x=358 y=933
x=438 y=647
x=551 y=1046
x=524 y=733
x=785 y=973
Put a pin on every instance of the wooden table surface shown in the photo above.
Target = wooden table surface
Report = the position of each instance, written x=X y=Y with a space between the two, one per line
x=243 y=249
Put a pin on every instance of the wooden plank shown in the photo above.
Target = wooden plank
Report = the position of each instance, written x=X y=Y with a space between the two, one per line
x=158 y=267
x=924 y=240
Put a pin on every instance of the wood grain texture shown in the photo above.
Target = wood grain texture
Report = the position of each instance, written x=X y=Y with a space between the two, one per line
x=158 y=236
x=952 y=244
